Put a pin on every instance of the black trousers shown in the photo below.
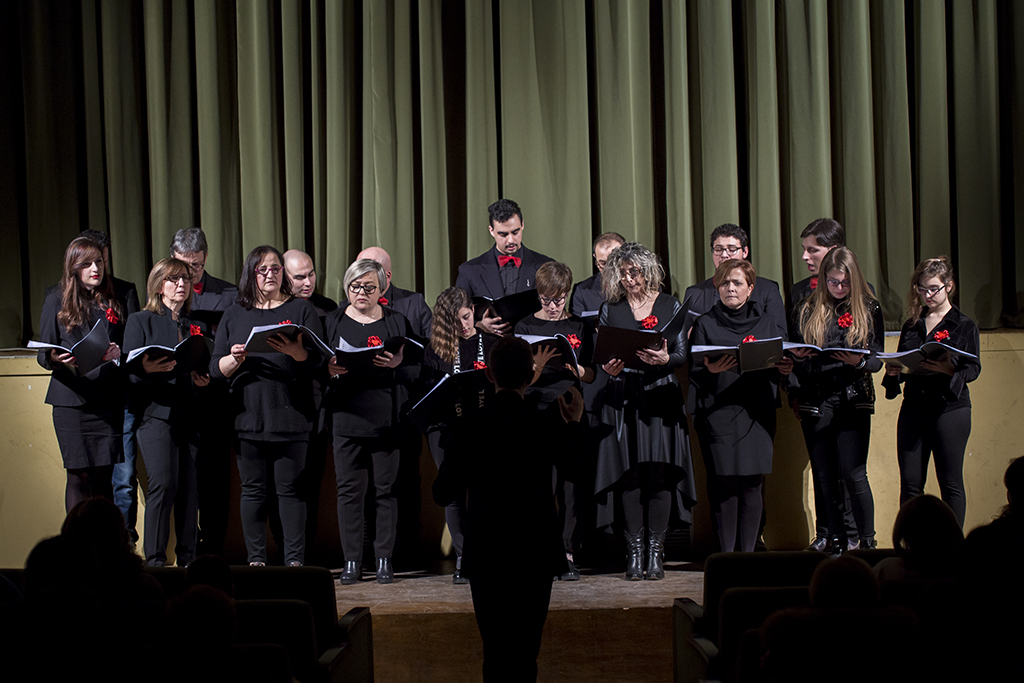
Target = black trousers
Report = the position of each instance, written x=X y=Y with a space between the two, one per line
x=170 y=457
x=357 y=462
x=510 y=613
x=919 y=434
x=213 y=466
x=838 y=444
x=736 y=505
x=454 y=513
x=288 y=460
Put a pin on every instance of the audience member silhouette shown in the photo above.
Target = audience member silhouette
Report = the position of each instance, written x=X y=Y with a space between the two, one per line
x=927 y=539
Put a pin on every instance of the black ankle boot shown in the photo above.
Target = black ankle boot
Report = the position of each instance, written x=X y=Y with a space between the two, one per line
x=867 y=543
x=385 y=571
x=350 y=574
x=635 y=556
x=655 y=555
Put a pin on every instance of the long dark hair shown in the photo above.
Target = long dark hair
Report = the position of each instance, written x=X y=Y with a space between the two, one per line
x=248 y=295
x=445 y=330
x=76 y=298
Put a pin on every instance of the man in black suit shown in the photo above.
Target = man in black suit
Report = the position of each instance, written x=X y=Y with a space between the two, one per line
x=587 y=296
x=513 y=543
x=213 y=460
x=410 y=304
x=123 y=478
x=729 y=241
x=507 y=268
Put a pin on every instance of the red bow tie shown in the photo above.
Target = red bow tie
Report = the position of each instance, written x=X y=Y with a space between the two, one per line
x=516 y=261
x=198 y=288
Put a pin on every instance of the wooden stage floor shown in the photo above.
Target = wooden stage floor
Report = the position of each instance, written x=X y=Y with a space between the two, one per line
x=599 y=629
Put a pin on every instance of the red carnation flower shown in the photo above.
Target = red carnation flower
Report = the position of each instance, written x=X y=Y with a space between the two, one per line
x=814 y=283
x=112 y=316
x=942 y=335
x=374 y=341
x=383 y=301
x=574 y=341
x=194 y=330
x=845 y=320
x=749 y=338
x=650 y=322
x=479 y=365
x=285 y=322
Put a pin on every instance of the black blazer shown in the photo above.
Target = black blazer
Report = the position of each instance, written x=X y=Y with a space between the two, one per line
x=413 y=306
x=163 y=395
x=480 y=276
x=702 y=297
x=104 y=386
x=587 y=296
x=218 y=295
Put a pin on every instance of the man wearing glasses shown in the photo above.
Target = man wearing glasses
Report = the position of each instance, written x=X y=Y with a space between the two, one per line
x=213 y=464
x=507 y=268
x=730 y=241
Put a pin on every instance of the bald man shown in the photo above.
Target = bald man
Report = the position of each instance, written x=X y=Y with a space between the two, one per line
x=410 y=304
x=298 y=266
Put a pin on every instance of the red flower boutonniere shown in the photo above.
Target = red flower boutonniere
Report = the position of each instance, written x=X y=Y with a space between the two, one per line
x=941 y=335
x=749 y=338
x=814 y=283
x=479 y=365
x=374 y=341
x=285 y=322
x=650 y=322
x=845 y=320
x=194 y=330
x=574 y=341
x=383 y=301
x=112 y=316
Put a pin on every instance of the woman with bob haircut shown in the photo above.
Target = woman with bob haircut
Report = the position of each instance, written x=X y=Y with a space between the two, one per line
x=364 y=405
x=272 y=397
x=837 y=395
x=165 y=402
x=936 y=413
x=643 y=461
x=456 y=345
x=88 y=410
x=735 y=413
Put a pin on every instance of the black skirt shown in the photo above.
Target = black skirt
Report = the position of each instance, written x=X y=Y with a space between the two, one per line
x=89 y=438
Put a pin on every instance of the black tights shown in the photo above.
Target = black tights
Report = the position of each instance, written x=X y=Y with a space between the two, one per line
x=736 y=506
x=88 y=482
x=658 y=505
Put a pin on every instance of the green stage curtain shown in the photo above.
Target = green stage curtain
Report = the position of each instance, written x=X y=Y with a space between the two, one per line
x=332 y=125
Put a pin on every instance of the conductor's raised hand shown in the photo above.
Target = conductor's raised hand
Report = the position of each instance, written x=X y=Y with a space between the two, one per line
x=540 y=358
x=572 y=410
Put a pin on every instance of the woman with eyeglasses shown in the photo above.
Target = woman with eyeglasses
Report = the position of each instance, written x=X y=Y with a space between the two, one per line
x=554 y=282
x=936 y=413
x=88 y=409
x=456 y=345
x=165 y=402
x=837 y=394
x=364 y=405
x=272 y=396
x=643 y=461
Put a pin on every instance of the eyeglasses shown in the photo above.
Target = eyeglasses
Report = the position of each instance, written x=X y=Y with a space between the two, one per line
x=837 y=283
x=355 y=288
x=732 y=250
x=174 y=279
x=631 y=274
x=268 y=270
x=929 y=292
x=544 y=301
x=194 y=266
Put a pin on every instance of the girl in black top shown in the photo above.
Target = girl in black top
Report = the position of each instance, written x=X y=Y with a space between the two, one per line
x=936 y=413
x=644 y=460
x=554 y=282
x=456 y=345
x=165 y=402
x=735 y=414
x=364 y=408
x=88 y=410
x=272 y=396
x=837 y=395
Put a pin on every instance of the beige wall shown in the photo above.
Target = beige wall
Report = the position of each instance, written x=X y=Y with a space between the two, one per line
x=32 y=476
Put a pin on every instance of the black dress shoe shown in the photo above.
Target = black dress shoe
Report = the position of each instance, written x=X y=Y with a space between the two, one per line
x=458 y=579
x=572 y=575
x=350 y=574
x=819 y=544
x=385 y=572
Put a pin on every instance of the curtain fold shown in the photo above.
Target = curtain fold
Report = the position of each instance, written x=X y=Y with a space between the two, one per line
x=330 y=125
